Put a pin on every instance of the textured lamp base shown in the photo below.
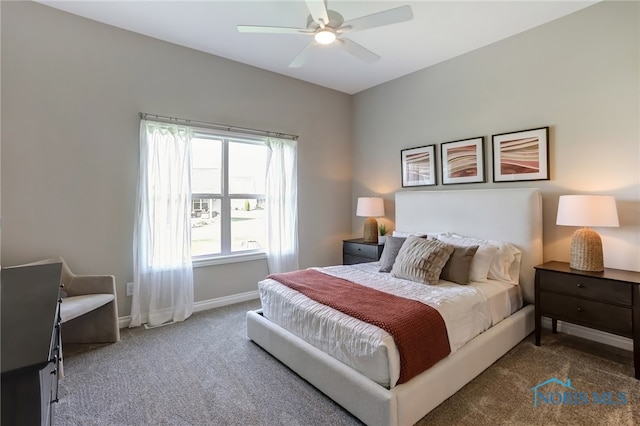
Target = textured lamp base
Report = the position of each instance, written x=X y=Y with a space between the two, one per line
x=586 y=251
x=370 y=231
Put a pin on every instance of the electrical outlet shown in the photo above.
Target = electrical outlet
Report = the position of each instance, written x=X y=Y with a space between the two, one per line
x=129 y=289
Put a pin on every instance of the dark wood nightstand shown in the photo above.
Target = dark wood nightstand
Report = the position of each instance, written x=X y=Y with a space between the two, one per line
x=357 y=251
x=607 y=301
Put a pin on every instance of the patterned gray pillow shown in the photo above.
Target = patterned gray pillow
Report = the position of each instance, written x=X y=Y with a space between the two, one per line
x=421 y=260
x=390 y=252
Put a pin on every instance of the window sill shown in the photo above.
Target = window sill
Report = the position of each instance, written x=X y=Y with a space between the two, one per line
x=232 y=258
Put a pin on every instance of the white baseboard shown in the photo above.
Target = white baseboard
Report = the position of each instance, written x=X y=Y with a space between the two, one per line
x=226 y=300
x=591 y=334
x=204 y=305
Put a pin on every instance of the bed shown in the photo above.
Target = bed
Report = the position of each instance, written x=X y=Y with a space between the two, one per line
x=512 y=215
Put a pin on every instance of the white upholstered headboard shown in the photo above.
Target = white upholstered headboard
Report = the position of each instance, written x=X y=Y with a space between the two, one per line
x=511 y=215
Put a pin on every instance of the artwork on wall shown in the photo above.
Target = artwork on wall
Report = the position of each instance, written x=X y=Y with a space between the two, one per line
x=462 y=161
x=522 y=155
x=418 y=166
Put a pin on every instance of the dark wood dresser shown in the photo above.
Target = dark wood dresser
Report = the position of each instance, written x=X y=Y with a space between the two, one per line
x=30 y=343
x=357 y=251
x=607 y=301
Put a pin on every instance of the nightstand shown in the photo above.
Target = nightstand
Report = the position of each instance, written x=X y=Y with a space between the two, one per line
x=607 y=301
x=357 y=251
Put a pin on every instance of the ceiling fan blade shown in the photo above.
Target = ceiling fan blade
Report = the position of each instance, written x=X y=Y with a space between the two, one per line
x=357 y=50
x=272 y=30
x=302 y=57
x=318 y=11
x=386 y=17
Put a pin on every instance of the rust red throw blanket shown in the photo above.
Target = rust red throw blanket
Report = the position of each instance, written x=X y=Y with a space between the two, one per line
x=417 y=329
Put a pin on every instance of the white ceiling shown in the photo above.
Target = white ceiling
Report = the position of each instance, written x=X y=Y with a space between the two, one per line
x=440 y=30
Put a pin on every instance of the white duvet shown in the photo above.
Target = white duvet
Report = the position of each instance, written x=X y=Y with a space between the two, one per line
x=467 y=311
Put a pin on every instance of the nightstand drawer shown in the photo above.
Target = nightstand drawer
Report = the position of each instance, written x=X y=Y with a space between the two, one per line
x=614 y=319
x=347 y=259
x=587 y=287
x=361 y=250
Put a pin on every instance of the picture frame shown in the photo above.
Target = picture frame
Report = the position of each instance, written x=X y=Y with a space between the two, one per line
x=418 y=166
x=462 y=161
x=521 y=155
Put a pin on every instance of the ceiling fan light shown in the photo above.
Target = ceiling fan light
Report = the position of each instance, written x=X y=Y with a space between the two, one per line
x=325 y=36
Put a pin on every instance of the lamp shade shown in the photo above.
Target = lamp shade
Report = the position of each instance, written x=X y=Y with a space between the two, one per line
x=587 y=210
x=370 y=207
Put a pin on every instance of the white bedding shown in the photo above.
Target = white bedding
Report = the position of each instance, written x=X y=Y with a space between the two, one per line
x=467 y=311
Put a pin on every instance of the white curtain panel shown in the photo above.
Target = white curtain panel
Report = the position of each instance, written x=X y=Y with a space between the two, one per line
x=163 y=273
x=282 y=205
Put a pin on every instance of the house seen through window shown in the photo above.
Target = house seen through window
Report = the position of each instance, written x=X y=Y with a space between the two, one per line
x=228 y=185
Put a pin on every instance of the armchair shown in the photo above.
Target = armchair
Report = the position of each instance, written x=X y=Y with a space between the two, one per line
x=88 y=312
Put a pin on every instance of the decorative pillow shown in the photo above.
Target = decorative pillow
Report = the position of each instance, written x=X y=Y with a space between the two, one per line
x=505 y=265
x=481 y=261
x=390 y=252
x=458 y=266
x=421 y=260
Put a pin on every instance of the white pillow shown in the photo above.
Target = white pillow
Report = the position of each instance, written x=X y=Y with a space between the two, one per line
x=505 y=265
x=481 y=261
x=414 y=234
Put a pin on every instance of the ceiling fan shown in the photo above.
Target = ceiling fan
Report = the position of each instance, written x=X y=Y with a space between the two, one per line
x=328 y=26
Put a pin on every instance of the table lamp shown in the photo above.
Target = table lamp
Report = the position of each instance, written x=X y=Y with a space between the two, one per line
x=370 y=207
x=587 y=210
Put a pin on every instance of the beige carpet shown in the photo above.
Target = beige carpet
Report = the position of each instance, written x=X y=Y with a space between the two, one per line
x=206 y=372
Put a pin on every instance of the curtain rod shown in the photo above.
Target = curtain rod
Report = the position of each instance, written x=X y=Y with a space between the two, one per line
x=214 y=126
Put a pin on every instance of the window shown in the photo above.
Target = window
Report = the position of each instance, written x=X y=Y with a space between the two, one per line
x=228 y=176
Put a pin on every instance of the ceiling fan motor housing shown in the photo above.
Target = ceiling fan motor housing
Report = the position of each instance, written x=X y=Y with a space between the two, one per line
x=335 y=21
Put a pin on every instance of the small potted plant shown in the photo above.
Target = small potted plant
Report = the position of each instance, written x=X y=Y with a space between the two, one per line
x=382 y=229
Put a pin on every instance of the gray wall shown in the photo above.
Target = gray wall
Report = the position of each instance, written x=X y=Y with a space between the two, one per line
x=72 y=90
x=579 y=75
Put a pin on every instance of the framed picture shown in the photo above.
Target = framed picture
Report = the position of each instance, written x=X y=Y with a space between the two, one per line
x=521 y=155
x=418 y=166
x=462 y=161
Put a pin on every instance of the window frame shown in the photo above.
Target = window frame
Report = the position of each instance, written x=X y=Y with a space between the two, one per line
x=226 y=254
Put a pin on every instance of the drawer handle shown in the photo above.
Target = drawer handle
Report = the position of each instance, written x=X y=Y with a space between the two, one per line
x=579 y=309
x=580 y=286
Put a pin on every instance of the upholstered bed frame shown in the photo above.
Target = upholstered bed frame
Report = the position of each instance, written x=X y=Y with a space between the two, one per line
x=513 y=215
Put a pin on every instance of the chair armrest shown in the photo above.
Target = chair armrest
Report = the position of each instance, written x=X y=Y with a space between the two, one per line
x=91 y=284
